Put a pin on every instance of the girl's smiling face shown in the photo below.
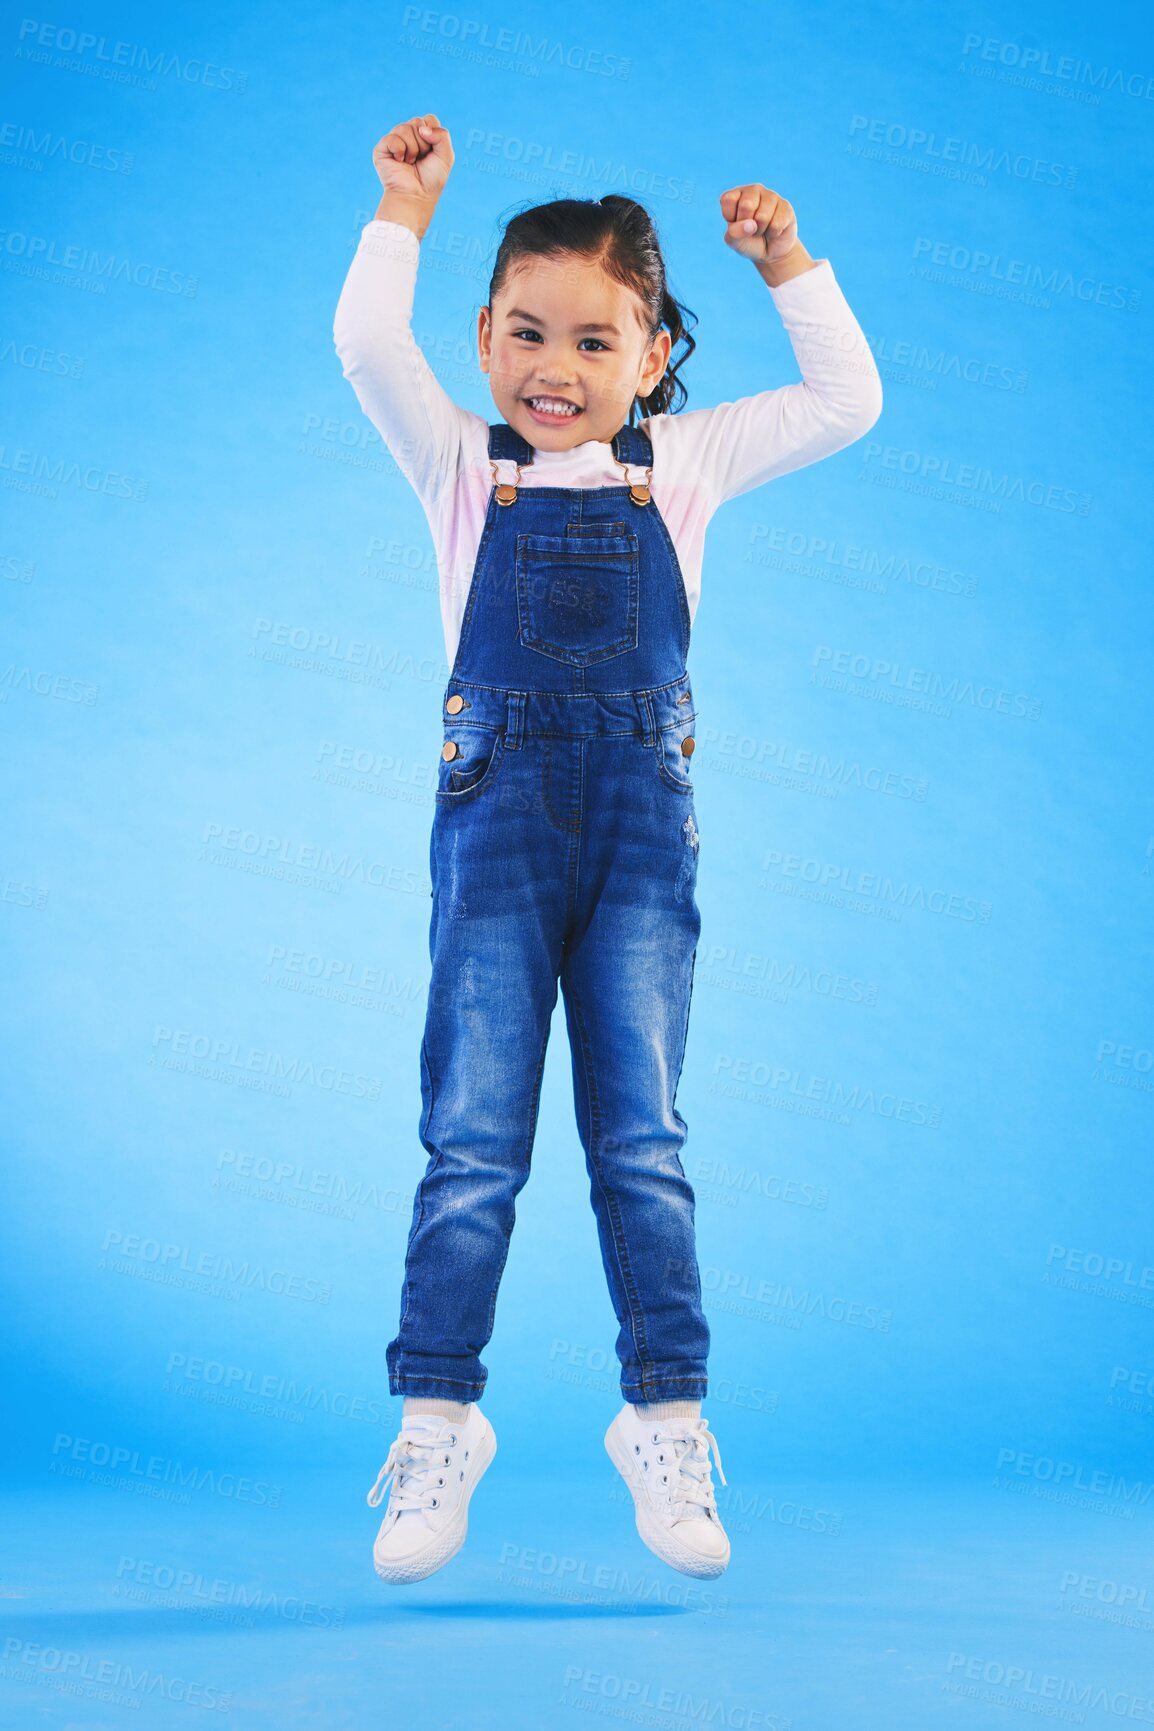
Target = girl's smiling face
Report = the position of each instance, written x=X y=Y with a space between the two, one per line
x=562 y=331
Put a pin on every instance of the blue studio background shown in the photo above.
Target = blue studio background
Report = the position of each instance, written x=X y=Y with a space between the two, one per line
x=920 y=1074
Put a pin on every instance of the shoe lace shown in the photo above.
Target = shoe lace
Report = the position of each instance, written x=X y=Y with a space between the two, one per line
x=692 y=1440
x=415 y=1453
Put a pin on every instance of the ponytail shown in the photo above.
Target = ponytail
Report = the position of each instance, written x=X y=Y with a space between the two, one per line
x=668 y=394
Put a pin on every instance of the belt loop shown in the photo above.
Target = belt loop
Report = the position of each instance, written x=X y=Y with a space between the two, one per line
x=644 y=703
x=515 y=720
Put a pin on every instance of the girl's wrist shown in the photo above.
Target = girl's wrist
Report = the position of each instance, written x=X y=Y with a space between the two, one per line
x=414 y=213
x=791 y=264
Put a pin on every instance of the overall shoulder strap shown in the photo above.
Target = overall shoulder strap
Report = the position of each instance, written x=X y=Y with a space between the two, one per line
x=505 y=441
x=633 y=445
x=630 y=445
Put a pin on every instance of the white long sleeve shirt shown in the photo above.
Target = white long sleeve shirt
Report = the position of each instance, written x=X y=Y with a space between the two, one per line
x=701 y=457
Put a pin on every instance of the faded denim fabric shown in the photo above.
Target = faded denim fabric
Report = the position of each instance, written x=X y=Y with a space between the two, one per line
x=564 y=851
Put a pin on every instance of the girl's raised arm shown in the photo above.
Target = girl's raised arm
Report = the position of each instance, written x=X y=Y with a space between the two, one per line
x=372 y=327
x=740 y=445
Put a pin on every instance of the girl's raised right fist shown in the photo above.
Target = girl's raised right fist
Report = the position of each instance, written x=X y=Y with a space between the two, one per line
x=414 y=159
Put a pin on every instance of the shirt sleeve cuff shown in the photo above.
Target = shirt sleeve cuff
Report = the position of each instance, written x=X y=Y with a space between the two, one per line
x=815 y=280
x=396 y=231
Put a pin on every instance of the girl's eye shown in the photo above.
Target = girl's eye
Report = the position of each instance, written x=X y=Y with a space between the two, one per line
x=596 y=340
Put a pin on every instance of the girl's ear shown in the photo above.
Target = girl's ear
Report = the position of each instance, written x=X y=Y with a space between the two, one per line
x=656 y=361
x=484 y=338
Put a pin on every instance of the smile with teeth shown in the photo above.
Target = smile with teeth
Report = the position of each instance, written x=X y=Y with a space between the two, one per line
x=553 y=406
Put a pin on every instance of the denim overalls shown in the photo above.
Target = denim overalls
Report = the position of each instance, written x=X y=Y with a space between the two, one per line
x=564 y=846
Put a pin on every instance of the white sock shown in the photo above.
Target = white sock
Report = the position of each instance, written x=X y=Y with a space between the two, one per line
x=439 y=1408
x=667 y=1409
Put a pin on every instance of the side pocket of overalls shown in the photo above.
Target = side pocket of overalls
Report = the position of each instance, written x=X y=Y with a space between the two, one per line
x=672 y=757
x=472 y=762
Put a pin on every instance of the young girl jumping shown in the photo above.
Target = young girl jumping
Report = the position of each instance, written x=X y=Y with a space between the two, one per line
x=569 y=538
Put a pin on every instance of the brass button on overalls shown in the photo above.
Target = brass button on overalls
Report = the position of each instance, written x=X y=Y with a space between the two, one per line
x=449 y=750
x=455 y=704
x=687 y=745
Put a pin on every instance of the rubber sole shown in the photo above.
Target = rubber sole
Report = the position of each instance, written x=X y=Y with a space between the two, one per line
x=660 y=1541
x=399 y=1573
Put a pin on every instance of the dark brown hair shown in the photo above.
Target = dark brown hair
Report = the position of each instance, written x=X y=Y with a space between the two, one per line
x=620 y=235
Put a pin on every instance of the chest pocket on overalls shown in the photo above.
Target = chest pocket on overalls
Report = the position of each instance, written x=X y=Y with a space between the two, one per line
x=577 y=594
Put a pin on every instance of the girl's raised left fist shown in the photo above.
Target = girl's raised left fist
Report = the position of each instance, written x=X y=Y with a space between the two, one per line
x=760 y=224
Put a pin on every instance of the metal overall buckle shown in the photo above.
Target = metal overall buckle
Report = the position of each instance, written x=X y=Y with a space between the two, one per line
x=638 y=490
x=506 y=490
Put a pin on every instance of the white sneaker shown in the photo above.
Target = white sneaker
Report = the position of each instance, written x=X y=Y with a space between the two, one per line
x=435 y=1464
x=665 y=1462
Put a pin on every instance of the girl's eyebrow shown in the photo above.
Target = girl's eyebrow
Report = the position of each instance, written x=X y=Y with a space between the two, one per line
x=520 y=313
